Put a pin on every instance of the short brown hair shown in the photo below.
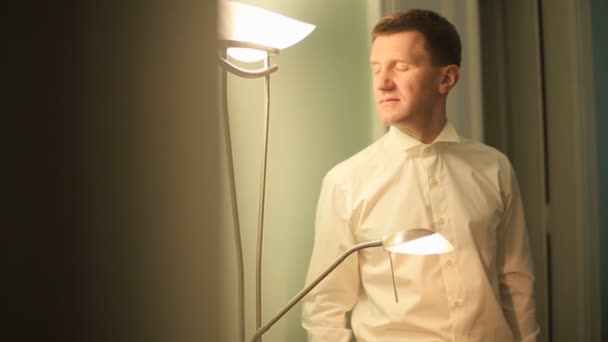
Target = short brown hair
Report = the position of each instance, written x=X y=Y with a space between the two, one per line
x=441 y=38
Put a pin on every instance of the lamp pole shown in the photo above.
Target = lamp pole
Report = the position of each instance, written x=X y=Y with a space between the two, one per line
x=227 y=66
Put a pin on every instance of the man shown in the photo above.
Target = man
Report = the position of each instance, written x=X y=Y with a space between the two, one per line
x=421 y=174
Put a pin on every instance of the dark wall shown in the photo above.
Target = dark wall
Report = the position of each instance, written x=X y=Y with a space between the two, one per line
x=110 y=179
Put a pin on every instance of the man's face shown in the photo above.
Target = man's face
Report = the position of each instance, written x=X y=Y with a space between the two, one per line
x=406 y=84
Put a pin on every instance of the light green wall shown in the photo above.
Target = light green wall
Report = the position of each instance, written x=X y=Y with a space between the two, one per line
x=320 y=115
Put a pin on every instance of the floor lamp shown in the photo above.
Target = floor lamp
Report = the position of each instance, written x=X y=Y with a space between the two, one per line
x=416 y=241
x=251 y=34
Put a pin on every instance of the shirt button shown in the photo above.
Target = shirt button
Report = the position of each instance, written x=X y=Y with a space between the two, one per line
x=450 y=262
x=441 y=221
x=457 y=303
x=432 y=181
x=429 y=149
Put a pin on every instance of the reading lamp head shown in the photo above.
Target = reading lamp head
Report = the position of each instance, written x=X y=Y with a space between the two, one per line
x=417 y=241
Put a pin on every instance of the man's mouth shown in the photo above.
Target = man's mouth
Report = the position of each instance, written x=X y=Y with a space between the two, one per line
x=388 y=100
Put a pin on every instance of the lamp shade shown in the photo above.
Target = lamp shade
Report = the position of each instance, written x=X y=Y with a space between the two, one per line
x=417 y=241
x=268 y=30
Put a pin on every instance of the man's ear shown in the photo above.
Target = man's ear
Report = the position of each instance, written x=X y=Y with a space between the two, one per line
x=449 y=77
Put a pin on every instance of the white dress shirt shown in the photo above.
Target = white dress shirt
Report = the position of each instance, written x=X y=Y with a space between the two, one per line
x=481 y=291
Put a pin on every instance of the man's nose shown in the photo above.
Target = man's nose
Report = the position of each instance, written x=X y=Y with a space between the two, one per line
x=384 y=81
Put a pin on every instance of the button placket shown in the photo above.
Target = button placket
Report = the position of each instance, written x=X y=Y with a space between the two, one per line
x=443 y=224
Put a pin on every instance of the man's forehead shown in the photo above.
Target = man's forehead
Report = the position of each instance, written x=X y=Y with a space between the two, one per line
x=405 y=43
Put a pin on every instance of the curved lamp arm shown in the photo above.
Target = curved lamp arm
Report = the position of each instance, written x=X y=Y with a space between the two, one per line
x=245 y=73
x=309 y=287
x=256 y=73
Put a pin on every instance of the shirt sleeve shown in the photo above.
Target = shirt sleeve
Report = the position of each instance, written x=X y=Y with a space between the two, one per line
x=515 y=268
x=325 y=307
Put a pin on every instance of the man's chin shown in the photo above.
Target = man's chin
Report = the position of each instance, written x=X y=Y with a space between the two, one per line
x=392 y=120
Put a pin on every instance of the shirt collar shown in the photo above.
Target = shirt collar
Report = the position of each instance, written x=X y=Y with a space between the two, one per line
x=404 y=141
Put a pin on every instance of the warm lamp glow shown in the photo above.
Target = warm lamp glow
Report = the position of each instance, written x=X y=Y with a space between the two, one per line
x=432 y=244
x=249 y=24
x=246 y=55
